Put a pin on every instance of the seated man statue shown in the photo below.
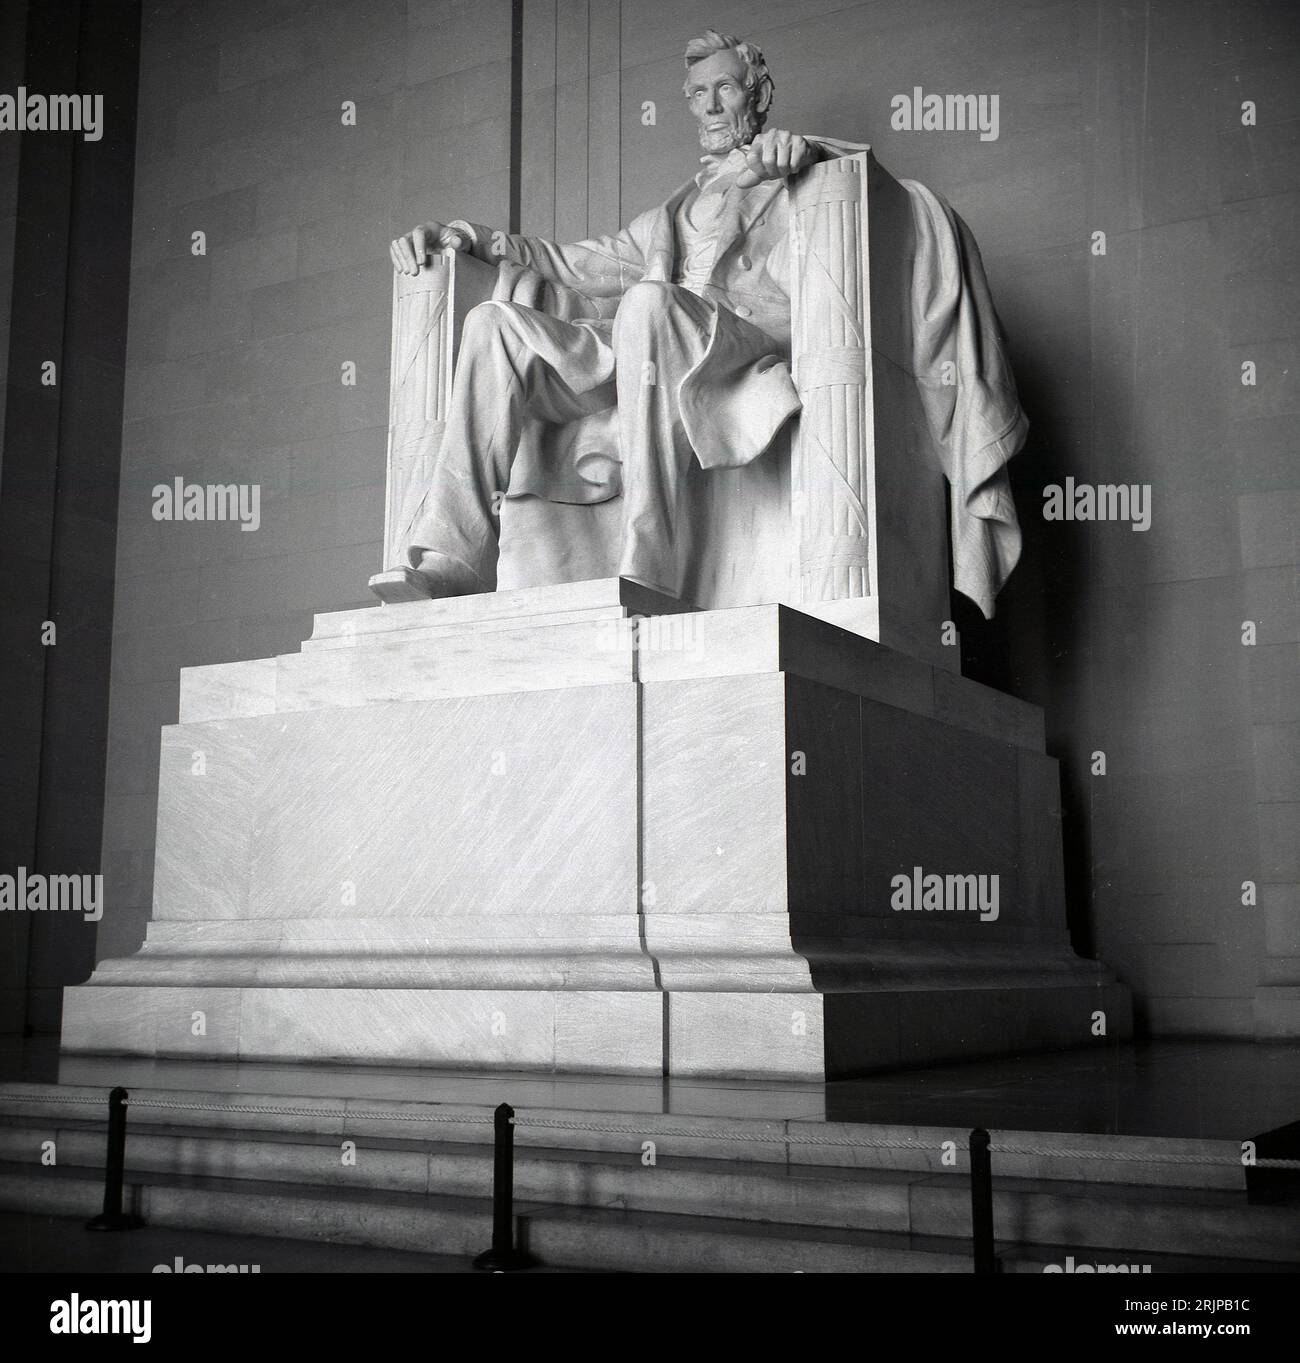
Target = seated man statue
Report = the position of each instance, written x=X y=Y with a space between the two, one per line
x=702 y=284
x=694 y=361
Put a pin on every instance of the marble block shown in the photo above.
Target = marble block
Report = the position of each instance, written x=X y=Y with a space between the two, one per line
x=427 y=842
x=514 y=1029
x=819 y=797
x=838 y=1035
x=668 y=843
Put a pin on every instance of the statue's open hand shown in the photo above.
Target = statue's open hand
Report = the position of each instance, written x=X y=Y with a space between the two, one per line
x=410 y=252
x=775 y=154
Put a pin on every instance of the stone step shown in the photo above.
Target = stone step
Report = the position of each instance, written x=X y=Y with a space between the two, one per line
x=531 y=638
x=409 y=634
x=545 y=1123
x=560 y=1236
x=869 y=1199
x=1100 y=1217
x=522 y=604
x=1033 y=1211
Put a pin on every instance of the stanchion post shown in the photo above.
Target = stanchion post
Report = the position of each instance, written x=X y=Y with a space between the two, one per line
x=503 y=1257
x=113 y=1217
x=981 y=1202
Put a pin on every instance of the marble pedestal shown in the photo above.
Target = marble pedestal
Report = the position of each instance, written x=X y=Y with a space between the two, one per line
x=528 y=830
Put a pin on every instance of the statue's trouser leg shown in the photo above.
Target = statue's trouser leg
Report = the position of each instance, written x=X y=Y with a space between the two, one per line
x=661 y=333
x=514 y=361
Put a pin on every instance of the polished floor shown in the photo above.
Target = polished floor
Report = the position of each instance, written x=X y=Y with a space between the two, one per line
x=1202 y=1089
x=34 y=1243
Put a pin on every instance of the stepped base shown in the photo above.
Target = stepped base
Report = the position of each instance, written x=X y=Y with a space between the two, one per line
x=585 y=827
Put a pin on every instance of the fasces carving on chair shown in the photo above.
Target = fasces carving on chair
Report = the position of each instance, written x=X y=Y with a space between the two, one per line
x=736 y=399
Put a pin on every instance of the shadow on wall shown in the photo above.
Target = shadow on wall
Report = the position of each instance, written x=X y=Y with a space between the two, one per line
x=1037 y=647
x=1040 y=644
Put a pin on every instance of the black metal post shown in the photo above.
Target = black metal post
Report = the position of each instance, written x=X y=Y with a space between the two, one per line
x=113 y=1217
x=503 y=1257
x=981 y=1202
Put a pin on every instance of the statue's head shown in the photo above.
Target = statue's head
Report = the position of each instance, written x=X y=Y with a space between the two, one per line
x=728 y=89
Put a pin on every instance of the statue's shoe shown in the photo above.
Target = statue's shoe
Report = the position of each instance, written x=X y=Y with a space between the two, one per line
x=447 y=576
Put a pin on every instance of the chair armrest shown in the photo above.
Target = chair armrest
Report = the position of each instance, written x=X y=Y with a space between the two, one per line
x=832 y=478
x=428 y=311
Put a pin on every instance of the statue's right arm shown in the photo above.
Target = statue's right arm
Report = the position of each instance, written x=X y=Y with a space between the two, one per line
x=601 y=267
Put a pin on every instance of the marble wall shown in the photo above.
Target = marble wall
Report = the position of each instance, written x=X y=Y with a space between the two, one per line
x=1123 y=118
x=13 y=24
x=235 y=357
x=65 y=227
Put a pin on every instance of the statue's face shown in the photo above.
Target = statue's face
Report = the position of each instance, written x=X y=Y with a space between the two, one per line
x=718 y=98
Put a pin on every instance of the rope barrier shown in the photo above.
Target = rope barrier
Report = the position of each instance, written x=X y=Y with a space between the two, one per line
x=61 y=1098
x=277 y=1110
x=687 y=1133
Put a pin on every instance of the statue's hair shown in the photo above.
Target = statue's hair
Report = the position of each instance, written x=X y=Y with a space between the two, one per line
x=758 y=80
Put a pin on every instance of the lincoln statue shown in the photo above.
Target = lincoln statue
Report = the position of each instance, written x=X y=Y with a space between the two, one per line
x=678 y=328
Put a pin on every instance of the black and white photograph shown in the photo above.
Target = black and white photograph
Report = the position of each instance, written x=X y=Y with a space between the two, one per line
x=650 y=639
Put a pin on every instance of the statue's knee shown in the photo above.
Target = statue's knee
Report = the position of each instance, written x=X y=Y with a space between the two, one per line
x=647 y=307
x=487 y=321
x=650 y=298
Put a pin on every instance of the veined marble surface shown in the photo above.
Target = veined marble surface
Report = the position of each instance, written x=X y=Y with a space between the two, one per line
x=514 y=1028
x=499 y=804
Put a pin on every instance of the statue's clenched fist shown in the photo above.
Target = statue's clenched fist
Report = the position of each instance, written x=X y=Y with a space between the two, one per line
x=773 y=155
x=410 y=252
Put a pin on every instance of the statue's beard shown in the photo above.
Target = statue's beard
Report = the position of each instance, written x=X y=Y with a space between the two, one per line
x=739 y=131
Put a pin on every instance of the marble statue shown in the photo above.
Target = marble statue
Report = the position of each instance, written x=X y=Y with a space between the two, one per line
x=673 y=340
x=567 y=843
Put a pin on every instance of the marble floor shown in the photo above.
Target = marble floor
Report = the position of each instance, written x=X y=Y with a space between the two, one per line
x=1204 y=1089
x=34 y=1243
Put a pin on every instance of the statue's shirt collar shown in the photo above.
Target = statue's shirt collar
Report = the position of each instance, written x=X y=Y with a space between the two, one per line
x=715 y=166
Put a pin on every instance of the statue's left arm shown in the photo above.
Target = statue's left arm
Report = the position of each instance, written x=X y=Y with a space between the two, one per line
x=600 y=267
